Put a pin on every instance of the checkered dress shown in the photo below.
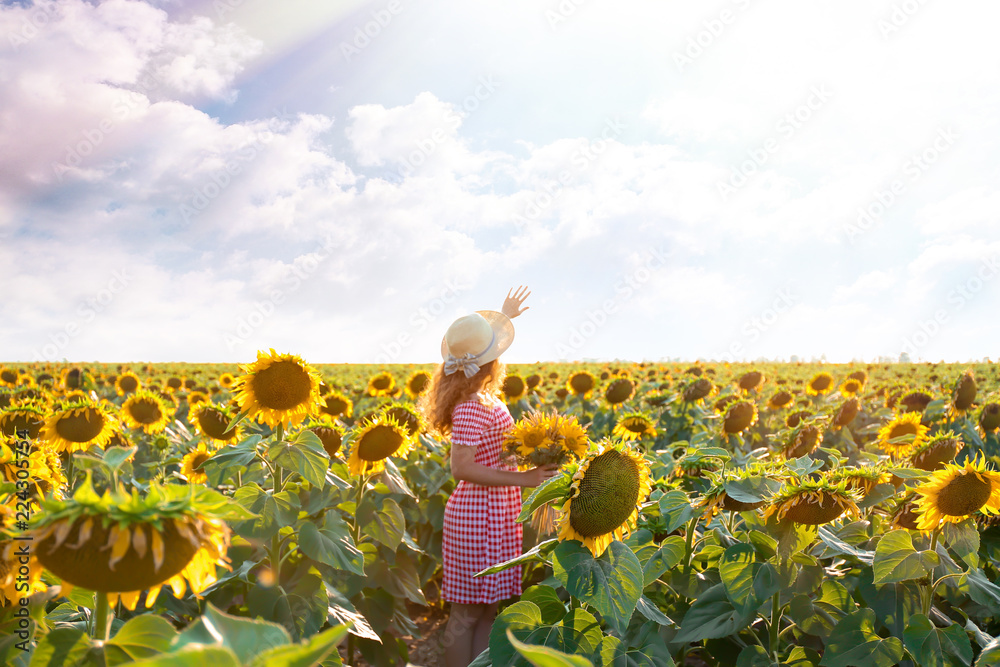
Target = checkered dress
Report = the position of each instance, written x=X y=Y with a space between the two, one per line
x=479 y=527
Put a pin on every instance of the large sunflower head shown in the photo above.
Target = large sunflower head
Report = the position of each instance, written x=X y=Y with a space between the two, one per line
x=278 y=389
x=146 y=410
x=780 y=399
x=78 y=426
x=751 y=381
x=121 y=544
x=740 y=416
x=964 y=394
x=813 y=502
x=381 y=384
x=848 y=410
x=336 y=404
x=902 y=434
x=514 y=388
x=417 y=384
x=127 y=383
x=935 y=452
x=330 y=433
x=8 y=376
x=581 y=383
x=634 y=426
x=820 y=384
x=604 y=497
x=989 y=418
x=956 y=492
x=211 y=421
x=619 y=391
x=371 y=443
x=698 y=390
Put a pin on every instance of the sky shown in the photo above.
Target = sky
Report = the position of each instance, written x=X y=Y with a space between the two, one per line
x=737 y=180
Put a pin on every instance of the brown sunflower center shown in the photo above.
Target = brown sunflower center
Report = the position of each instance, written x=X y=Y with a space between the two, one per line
x=145 y=411
x=12 y=422
x=330 y=438
x=990 y=419
x=199 y=458
x=379 y=442
x=8 y=376
x=128 y=384
x=281 y=386
x=619 y=391
x=935 y=456
x=334 y=406
x=608 y=494
x=381 y=382
x=636 y=425
x=418 y=383
x=739 y=417
x=816 y=512
x=213 y=423
x=81 y=426
x=965 y=392
x=848 y=411
x=781 y=399
x=513 y=386
x=581 y=383
x=698 y=389
x=964 y=495
x=405 y=418
x=751 y=380
x=902 y=429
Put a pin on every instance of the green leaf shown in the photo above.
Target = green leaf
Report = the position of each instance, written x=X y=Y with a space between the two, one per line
x=394 y=480
x=115 y=457
x=751 y=489
x=964 y=539
x=754 y=656
x=712 y=616
x=854 y=643
x=550 y=606
x=243 y=636
x=803 y=466
x=736 y=571
x=140 y=637
x=990 y=655
x=307 y=654
x=765 y=545
x=216 y=656
x=676 y=510
x=298 y=456
x=612 y=584
x=840 y=546
x=646 y=607
x=543 y=656
x=933 y=647
x=341 y=611
x=981 y=589
x=62 y=646
x=550 y=489
x=897 y=560
x=537 y=554
x=670 y=553
x=643 y=647
x=386 y=525
x=265 y=525
x=332 y=547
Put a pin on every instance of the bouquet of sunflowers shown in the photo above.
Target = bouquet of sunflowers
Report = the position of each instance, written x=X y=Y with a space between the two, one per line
x=539 y=439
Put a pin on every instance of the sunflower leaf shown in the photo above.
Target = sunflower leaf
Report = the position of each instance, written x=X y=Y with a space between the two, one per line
x=676 y=509
x=62 y=646
x=612 y=584
x=896 y=559
x=547 y=491
x=310 y=652
x=934 y=647
x=751 y=489
x=544 y=656
x=303 y=459
x=712 y=616
x=854 y=642
x=332 y=547
x=670 y=553
x=836 y=544
x=140 y=637
x=964 y=539
x=550 y=606
x=243 y=636
x=539 y=553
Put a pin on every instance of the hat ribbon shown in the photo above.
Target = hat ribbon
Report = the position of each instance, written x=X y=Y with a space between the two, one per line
x=468 y=362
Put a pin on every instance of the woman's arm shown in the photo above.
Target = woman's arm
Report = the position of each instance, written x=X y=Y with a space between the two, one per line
x=512 y=304
x=464 y=467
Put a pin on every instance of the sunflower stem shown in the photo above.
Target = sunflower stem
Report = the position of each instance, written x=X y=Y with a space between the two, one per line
x=689 y=544
x=102 y=613
x=775 y=625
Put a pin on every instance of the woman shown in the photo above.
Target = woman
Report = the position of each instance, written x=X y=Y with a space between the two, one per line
x=479 y=520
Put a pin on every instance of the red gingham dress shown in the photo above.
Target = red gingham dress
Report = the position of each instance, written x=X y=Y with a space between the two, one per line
x=479 y=526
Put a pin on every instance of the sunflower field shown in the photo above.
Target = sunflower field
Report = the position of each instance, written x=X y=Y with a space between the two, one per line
x=278 y=513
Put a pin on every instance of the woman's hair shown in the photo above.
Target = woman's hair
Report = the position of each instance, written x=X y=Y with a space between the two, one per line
x=447 y=391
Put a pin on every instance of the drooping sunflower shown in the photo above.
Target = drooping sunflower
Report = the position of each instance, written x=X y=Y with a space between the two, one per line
x=905 y=513
x=8 y=377
x=372 y=443
x=698 y=390
x=850 y=388
x=813 y=502
x=211 y=420
x=956 y=492
x=634 y=426
x=75 y=377
x=963 y=395
x=795 y=418
x=192 y=462
x=79 y=426
x=935 y=452
x=722 y=405
x=619 y=391
x=381 y=384
x=739 y=417
x=658 y=398
x=604 y=497
x=278 y=389
x=861 y=478
x=751 y=381
x=146 y=410
x=848 y=410
x=902 y=434
x=780 y=399
x=581 y=383
x=127 y=383
x=330 y=433
x=121 y=544
x=406 y=416
x=417 y=384
x=174 y=383
x=24 y=416
x=514 y=388
x=820 y=384
x=336 y=404
x=715 y=498
x=989 y=419
x=804 y=439
x=533 y=381
x=914 y=401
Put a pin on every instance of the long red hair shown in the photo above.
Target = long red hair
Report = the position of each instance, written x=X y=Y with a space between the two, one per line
x=447 y=391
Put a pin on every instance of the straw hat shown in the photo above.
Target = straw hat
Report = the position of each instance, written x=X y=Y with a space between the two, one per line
x=475 y=339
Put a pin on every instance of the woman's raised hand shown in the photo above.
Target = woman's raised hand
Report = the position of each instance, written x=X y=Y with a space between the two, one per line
x=512 y=304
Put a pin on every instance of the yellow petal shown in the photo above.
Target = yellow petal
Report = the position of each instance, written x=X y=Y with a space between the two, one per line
x=154 y=592
x=157 y=550
x=139 y=541
x=130 y=599
x=120 y=547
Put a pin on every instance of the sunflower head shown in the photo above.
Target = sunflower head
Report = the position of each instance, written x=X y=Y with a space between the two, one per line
x=127 y=383
x=27 y=416
x=820 y=384
x=723 y=403
x=850 y=388
x=211 y=421
x=146 y=410
x=751 y=381
x=581 y=383
x=956 y=492
x=804 y=439
x=862 y=479
x=634 y=426
x=371 y=443
x=905 y=513
x=795 y=418
x=780 y=399
x=278 y=389
x=409 y=418
x=964 y=394
x=227 y=380
x=989 y=418
x=192 y=462
x=8 y=376
x=739 y=417
x=698 y=390
x=813 y=502
x=336 y=404
x=902 y=434
x=330 y=433
x=417 y=384
x=848 y=410
x=935 y=452
x=619 y=391
x=381 y=384
x=79 y=426
x=533 y=440
x=533 y=381
x=604 y=497
x=514 y=388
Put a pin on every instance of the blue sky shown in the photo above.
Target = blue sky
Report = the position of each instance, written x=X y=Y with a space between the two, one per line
x=193 y=181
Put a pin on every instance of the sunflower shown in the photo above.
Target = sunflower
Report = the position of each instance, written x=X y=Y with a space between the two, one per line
x=620 y=390
x=79 y=426
x=751 y=381
x=336 y=404
x=374 y=442
x=850 y=388
x=147 y=411
x=905 y=513
x=795 y=418
x=849 y=409
x=989 y=418
x=514 y=387
x=127 y=383
x=227 y=380
x=417 y=384
x=634 y=426
x=121 y=544
x=739 y=417
x=780 y=399
x=572 y=436
x=698 y=389
x=716 y=499
x=820 y=384
x=8 y=377
x=955 y=493
x=902 y=434
x=381 y=384
x=963 y=395
x=915 y=401
x=813 y=502
x=533 y=381
x=722 y=404
x=406 y=416
x=862 y=479
x=529 y=435
x=278 y=389
x=26 y=416
x=804 y=439
x=211 y=421
x=581 y=383
x=330 y=434
x=934 y=453
x=192 y=462
x=74 y=378
x=604 y=497
x=196 y=397
x=44 y=470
